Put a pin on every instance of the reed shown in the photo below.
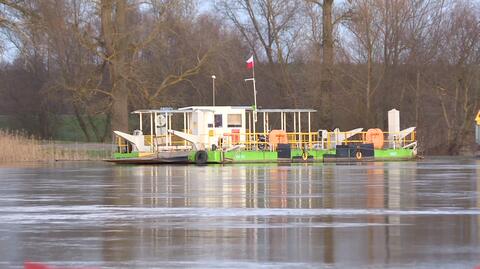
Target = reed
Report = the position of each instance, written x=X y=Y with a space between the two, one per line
x=18 y=147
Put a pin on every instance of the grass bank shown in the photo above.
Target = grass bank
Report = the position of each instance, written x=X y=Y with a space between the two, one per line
x=17 y=147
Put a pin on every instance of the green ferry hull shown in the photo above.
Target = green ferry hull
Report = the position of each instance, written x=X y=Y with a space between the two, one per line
x=245 y=156
x=299 y=156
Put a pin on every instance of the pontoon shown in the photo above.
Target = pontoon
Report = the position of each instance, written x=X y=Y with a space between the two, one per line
x=242 y=134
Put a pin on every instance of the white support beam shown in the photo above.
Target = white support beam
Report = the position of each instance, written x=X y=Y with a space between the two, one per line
x=264 y=123
x=249 y=127
x=309 y=132
x=152 y=147
x=166 y=126
x=294 y=122
x=170 y=128
x=281 y=120
x=268 y=122
x=254 y=122
x=299 y=122
x=300 y=127
x=185 y=127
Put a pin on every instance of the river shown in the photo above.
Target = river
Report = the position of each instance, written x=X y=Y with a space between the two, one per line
x=423 y=214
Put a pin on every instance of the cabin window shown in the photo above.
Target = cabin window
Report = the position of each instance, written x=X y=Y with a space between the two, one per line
x=218 y=120
x=234 y=120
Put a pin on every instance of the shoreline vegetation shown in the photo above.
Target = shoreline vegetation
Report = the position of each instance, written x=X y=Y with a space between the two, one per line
x=86 y=64
x=19 y=147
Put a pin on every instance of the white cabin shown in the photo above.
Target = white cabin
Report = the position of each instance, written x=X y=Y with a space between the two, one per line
x=212 y=123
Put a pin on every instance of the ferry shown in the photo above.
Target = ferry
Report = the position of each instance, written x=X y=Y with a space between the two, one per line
x=241 y=134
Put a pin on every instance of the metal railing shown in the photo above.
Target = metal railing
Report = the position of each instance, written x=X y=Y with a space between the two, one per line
x=260 y=141
x=326 y=140
x=159 y=144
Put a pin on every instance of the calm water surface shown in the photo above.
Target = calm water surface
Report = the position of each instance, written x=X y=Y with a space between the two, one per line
x=422 y=214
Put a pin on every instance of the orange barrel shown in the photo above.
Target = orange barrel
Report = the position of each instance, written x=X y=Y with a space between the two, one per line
x=276 y=137
x=375 y=137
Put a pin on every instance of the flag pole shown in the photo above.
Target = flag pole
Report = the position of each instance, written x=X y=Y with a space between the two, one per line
x=255 y=103
x=251 y=62
x=254 y=95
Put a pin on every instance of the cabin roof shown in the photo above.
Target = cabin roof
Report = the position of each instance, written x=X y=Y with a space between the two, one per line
x=287 y=110
x=212 y=108
x=146 y=111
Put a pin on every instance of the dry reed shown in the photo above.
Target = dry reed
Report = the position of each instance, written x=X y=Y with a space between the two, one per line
x=18 y=147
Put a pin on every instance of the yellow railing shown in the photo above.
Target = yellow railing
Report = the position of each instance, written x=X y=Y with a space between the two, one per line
x=315 y=139
x=297 y=140
x=122 y=145
x=161 y=140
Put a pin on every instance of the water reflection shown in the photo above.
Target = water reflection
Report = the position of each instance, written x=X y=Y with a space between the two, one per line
x=362 y=215
x=268 y=186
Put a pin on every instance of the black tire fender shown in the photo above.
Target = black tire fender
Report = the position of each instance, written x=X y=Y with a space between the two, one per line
x=201 y=157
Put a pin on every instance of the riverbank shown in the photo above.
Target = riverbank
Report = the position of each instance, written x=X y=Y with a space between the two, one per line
x=17 y=147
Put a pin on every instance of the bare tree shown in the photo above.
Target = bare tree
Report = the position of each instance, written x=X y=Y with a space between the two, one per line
x=364 y=26
x=269 y=27
x=96 y=60
x=324 y=95
x=458 y=87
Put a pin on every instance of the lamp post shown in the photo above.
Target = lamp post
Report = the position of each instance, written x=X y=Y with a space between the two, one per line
x=213 y=88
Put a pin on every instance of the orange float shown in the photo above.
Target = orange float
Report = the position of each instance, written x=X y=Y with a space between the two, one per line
x=375 y=137
x=235 y=136
x=276 y=137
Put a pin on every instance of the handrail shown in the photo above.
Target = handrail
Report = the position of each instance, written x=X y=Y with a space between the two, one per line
x=314 y=139
x=297 y=140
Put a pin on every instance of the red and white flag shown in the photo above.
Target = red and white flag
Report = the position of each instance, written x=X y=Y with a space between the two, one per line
x=250 y=63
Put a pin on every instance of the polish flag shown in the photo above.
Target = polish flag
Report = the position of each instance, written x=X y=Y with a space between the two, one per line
x=250 y=63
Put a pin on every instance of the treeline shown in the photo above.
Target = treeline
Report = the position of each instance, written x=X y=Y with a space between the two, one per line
x=350 y=60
